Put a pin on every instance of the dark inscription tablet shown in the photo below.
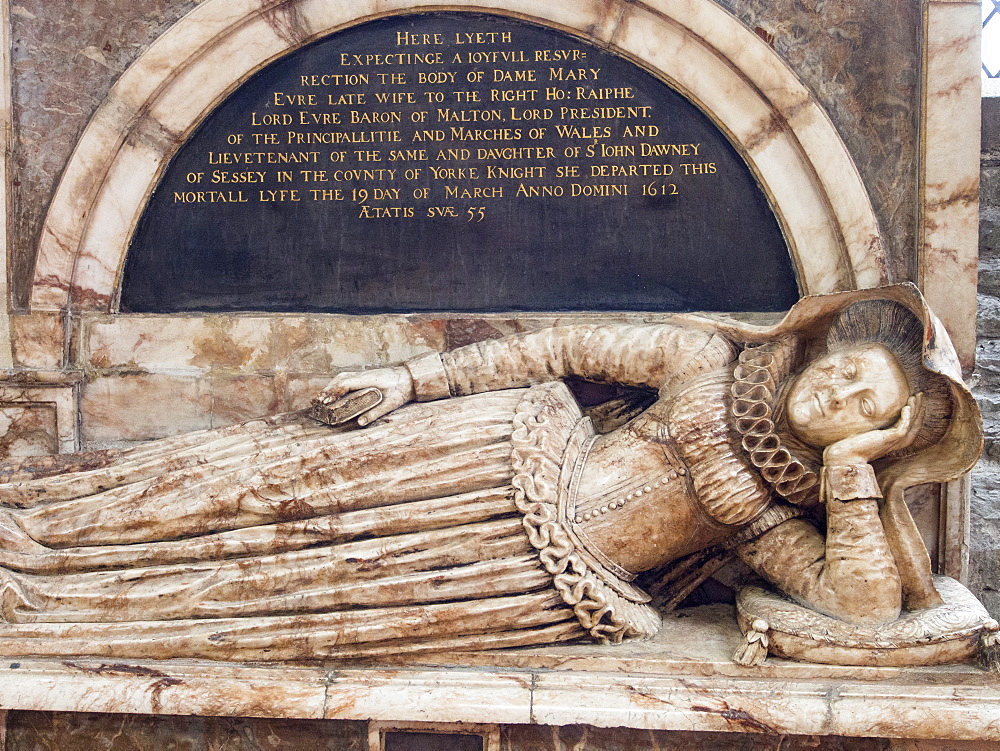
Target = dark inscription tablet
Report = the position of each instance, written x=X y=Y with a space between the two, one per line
x=456 y=162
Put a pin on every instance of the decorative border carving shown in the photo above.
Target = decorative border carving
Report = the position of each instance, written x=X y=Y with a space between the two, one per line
x=58 y=395
x=694 y=45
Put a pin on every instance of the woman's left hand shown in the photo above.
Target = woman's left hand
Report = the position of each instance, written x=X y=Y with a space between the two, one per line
x=866 y=447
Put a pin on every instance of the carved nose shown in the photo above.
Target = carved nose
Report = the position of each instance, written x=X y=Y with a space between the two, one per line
x=840 y=394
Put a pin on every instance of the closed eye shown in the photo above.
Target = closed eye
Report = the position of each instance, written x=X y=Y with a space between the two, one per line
x=867 y=407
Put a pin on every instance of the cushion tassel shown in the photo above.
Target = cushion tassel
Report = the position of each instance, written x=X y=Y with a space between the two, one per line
x=989 y=647
x=753 y=651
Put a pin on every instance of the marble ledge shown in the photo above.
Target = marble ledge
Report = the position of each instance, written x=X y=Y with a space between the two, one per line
x=670 y=683
x=194 y=344
x=28 y=378
x=908 y=706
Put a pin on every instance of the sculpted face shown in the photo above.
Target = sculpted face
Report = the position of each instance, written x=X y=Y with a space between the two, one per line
x=846 y=393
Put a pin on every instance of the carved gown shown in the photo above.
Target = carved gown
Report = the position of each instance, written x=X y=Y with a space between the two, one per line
x=490 y=514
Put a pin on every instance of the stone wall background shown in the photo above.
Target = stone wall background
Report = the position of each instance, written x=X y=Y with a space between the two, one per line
x=985 y=537
x=861 y=61
x=859 y=58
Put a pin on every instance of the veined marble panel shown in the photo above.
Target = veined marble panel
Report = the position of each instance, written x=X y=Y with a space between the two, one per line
x=153 y=376
x=948 y=255
x=142 y=406
x=949 y=249
x=38 y=418
x=165 y=689
x=182 y=345
x=233 y=343
x=675 y=682
x=38 y=341
x=28 y=430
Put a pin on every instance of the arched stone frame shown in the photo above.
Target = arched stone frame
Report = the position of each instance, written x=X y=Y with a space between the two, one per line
x=694 y=45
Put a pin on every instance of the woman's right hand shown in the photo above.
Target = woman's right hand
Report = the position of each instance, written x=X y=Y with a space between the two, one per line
x=395 y=384
x=867 y=447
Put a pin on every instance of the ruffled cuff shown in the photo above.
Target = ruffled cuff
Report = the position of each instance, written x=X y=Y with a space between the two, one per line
x=851 y=482
x=430 y=381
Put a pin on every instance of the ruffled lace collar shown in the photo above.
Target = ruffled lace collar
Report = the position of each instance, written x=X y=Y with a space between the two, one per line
x=758 y=377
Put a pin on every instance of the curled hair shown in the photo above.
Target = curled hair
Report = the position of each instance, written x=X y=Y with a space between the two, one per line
x=898 y=330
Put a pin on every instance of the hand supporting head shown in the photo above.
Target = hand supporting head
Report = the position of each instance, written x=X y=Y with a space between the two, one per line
x=846 y=393
x=871 y=378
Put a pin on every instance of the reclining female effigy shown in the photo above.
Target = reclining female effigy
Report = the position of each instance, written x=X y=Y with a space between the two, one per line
x=492 y=513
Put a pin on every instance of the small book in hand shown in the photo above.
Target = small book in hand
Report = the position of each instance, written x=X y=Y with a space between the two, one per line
x=347 y=407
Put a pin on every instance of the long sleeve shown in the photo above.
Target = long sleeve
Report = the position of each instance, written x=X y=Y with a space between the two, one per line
x=659 y=356
x=850 y=574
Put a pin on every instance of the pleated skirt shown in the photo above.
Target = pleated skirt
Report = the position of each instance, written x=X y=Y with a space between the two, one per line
x=280 y=539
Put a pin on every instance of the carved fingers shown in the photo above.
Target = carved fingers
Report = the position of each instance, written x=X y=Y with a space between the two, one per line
x=909 y=422
x=394 y=389
x=866 y=447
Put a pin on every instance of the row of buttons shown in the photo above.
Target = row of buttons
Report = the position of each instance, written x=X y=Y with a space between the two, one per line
x=616 y=504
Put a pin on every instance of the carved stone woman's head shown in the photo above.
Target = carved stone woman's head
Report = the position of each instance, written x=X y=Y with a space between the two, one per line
x=871 y=368
x=846 y=393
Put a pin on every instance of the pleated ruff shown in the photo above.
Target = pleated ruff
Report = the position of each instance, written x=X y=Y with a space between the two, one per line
x=280 y=539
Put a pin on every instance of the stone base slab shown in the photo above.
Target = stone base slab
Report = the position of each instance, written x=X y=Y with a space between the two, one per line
x=682 y=680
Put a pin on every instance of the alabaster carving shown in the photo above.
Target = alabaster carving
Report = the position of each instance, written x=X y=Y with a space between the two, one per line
x=471 y=504
x=950 y=632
